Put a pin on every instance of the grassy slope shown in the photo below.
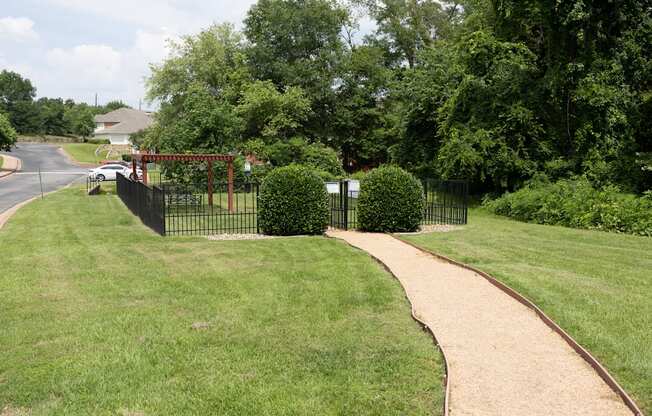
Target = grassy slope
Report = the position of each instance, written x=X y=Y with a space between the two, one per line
x=82 y=152
x=596 y=285
x=96 y=313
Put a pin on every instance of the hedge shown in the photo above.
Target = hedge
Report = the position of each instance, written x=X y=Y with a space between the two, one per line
x=391 y=200
x=293 y=201
x=576 y=203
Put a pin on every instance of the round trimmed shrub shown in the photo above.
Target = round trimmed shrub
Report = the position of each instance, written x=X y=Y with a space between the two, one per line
x=293 y=201
x=391 y=200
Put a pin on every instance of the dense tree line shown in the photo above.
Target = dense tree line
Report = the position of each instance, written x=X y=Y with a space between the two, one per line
x=45 y=116
x=497 y=91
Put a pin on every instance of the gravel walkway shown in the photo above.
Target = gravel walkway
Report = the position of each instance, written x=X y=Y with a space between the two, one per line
x=503 y=359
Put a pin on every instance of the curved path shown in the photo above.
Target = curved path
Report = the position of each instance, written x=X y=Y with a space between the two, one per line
x=503 y=359
x=56 y=172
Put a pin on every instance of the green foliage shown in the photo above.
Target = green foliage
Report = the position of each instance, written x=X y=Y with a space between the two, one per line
x=114 y=105
x=577 y=203
x=17 y=101
x=391 y=200
x=408 y=26
x=126 y=157
x=293 y=201
x=270 y=114
x=98 y=141
x=79 y=119
x=52 y=116
x=298 y=151
x=7 y=133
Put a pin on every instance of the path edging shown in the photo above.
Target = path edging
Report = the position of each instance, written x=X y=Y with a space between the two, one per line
x=423 y=325
x=581 y=351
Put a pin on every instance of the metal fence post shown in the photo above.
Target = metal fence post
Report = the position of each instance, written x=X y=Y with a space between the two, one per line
x=345 y=206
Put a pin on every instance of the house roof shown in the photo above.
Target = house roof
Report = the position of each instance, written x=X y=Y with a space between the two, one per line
x=129 y=121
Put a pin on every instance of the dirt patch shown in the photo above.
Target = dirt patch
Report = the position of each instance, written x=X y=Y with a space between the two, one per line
x=15 y=411
x=125 y=412
x=232 y=237
x=435 y=228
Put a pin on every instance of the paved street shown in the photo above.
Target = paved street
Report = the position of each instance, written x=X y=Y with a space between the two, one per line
x=56 y=172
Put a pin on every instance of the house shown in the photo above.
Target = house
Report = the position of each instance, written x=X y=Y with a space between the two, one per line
x=118 y=126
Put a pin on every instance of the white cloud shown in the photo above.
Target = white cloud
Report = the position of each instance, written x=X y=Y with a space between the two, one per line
x=17 y=29
x=181 y=16
x=85 y=65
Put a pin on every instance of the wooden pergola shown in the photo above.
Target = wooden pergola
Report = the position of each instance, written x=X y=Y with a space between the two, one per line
x=145 y=158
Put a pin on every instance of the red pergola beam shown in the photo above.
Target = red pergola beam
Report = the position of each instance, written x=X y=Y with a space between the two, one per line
x=148 y=157
x=144 y=158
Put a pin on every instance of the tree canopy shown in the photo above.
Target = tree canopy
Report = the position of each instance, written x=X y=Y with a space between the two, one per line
x=496 y=91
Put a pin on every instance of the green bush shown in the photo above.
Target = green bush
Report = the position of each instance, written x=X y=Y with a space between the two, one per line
x=127 y=157
x=293 y=201
x=576 y=203
x=391 y=200
x=98 y=141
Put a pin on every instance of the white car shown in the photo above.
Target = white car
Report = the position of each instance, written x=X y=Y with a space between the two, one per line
x=108 y=172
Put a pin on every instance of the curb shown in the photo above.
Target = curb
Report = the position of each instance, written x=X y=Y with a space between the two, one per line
x=6 y=215
x=19 y=165
x=423 y=325
x=581 y=351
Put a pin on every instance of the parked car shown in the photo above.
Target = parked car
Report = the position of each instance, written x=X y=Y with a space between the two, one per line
x=108 y=172
x=129 y=173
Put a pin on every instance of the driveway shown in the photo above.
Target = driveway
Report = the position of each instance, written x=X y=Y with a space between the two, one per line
x=56 y=172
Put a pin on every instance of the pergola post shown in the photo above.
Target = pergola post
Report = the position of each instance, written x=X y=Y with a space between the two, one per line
x=230 y=185
x=209 y=158
x=134 y=172
x=210 y=183
x=144 y=165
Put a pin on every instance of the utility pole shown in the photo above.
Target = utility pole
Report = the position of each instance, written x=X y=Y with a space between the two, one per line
x=95 y=100
x=140 y=104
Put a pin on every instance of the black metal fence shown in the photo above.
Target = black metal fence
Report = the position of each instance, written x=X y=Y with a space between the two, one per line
x=446 y=203
x=188 y=209
x=343 y=205
x=92 y=185
x=147 y=203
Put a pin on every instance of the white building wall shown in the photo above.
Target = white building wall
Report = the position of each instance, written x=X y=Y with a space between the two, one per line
x=114 y=138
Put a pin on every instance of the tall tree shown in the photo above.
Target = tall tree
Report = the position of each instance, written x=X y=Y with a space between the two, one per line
x=407 y=26
x=7 y=133
x=114 y=105
x=17 y=101
x=299 y=43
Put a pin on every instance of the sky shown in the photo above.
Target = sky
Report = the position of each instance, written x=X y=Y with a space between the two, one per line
x=77 y=48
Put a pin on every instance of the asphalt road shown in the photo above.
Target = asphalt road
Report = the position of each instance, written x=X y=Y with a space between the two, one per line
x=56 y=172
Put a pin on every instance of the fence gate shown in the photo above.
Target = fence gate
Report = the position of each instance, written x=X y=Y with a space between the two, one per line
x=339 y=206
x=446 y=202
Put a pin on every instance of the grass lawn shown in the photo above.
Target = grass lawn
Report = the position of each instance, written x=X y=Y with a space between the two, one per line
x=2 y=161
x=97 y=310
x=83 y=152
x=596 y=285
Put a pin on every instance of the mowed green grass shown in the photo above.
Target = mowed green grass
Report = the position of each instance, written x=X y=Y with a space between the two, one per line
x=596 y=285
x=97 y=310
x=83 y=152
